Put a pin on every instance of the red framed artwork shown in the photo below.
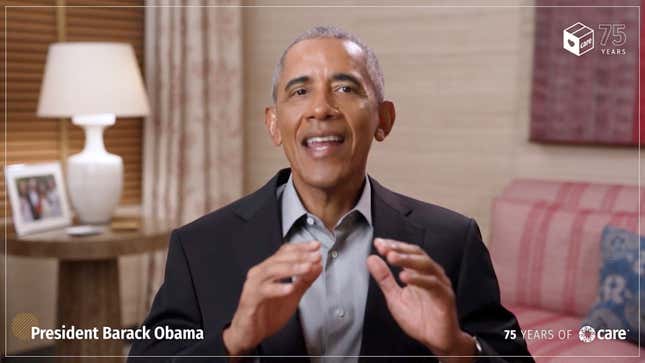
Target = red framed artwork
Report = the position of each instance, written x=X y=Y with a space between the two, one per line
x=585 y=75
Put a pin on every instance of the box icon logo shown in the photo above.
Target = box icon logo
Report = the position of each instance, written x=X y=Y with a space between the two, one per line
x=578 y=39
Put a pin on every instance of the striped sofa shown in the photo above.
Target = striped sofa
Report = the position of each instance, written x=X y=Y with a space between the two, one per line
x=545 y=246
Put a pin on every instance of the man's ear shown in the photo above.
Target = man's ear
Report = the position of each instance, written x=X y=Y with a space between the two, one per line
x=271 y=123
x=387 y=114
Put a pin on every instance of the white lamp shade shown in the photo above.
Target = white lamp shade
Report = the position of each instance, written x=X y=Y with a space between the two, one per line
x=86 y=78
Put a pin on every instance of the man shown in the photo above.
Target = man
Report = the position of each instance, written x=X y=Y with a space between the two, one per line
x=26 y=209
x=323 y=260
x=33 y=197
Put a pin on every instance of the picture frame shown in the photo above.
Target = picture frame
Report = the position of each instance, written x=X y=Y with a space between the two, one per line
x=38 y=197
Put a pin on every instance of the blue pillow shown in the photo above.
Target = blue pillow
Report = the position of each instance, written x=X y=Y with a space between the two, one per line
x=618 y=294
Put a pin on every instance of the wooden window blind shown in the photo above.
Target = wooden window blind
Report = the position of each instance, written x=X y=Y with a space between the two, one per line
x=30 y=30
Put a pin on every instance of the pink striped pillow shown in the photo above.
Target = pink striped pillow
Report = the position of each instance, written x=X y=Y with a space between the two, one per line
x=577 y=195
x=547 y=256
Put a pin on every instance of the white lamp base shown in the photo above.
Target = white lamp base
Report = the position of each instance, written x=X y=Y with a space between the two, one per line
x=94 y=176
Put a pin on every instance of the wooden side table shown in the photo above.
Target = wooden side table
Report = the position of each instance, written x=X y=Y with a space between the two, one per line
x=88 y=278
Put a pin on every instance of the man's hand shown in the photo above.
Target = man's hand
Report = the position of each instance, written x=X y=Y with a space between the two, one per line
x=266 y=302
x=425 y=307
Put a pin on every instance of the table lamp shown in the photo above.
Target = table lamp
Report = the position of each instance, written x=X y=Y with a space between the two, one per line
x=93 y=83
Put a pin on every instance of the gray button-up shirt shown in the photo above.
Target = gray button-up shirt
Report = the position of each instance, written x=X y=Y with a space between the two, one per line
x=333 y=308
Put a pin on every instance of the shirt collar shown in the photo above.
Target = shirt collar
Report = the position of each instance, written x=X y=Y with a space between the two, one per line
x=292 y=208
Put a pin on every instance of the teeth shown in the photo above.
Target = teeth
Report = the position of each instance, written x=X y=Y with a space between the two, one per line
x=318 y=139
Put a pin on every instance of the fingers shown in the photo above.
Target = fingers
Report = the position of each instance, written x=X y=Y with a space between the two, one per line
x=300 y=261
x=383 y=276
x=303 y=275
x=430 y=283
x=281 y=270
x=271 y=286
x=292 y=259
x=411 y=261
x=276 y=289
x=288 y=249
x=410 y=256
x=302 y=283
x=305 y=246
x=384 y=245
x=300 y=255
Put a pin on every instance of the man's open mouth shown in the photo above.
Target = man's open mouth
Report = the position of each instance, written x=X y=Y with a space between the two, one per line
x=321 y=146
x=322 y=141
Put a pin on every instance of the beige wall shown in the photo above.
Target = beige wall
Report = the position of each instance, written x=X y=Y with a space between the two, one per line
x=460 y=78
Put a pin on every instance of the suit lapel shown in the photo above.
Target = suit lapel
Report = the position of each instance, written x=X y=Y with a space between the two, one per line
x=261 y=238
x=380 y=330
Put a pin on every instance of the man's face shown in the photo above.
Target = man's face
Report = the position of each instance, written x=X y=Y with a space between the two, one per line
x=326 y=111
x=22 y=187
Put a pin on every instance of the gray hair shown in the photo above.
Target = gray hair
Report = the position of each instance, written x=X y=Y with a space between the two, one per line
x=373 y=68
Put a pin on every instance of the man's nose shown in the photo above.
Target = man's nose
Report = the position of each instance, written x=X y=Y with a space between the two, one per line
x=323 y=107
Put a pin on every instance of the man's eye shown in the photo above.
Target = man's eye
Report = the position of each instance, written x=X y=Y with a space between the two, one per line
x=345 y=89
x=300 y=92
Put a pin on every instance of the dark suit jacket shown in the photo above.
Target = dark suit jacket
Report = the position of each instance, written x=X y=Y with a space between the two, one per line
x=208 y=260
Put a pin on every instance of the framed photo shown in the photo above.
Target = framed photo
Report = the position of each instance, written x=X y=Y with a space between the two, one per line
x=37 y=196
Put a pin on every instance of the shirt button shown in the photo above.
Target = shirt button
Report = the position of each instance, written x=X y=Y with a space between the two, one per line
x=310 y=221
x=334 y=254
x=340 y=313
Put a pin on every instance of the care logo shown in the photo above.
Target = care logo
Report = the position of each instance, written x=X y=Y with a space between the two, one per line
x=579 y=39
x=588 y=334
